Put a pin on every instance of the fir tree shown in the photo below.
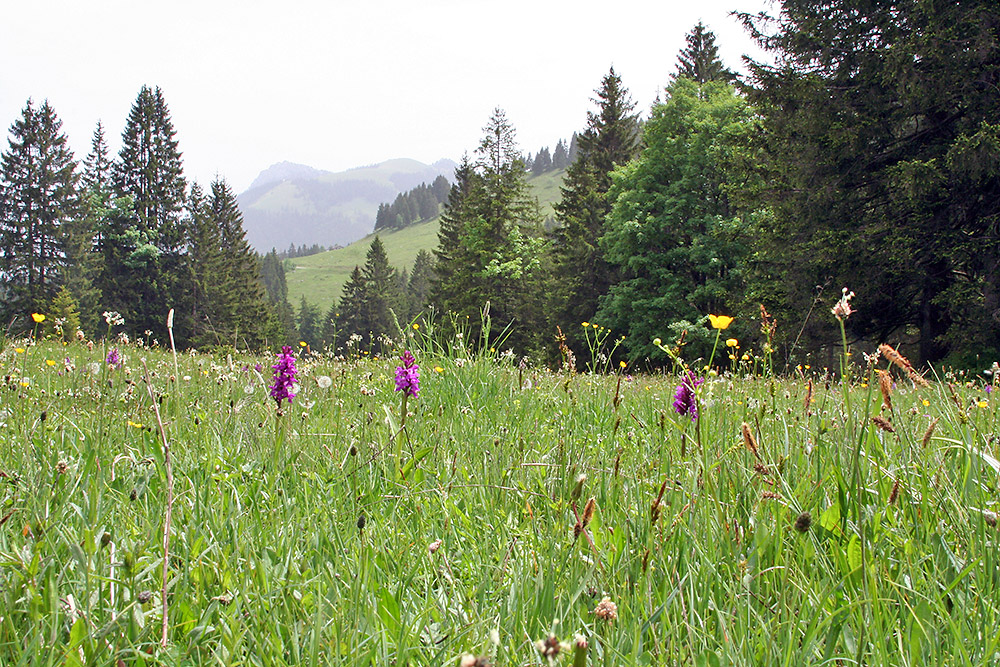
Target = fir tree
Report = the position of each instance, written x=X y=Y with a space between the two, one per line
x=142 y=277
x=38 y=195
x=543 y=162
x=699 y=60
x=418 y=289
x=560 y=157
x=581 y=274
x=352 y=326
x=381 y=292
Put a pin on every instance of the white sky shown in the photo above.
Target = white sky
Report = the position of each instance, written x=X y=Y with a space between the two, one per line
x=336 y=84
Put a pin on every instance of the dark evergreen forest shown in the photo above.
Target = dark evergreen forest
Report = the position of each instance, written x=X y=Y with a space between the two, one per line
x=864 y=153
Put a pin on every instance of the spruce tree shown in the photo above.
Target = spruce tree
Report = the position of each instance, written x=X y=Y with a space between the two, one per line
x=560 y=157
x=699 y=60
x=38 y=195
x=205 y=319
x=418 y=288
x=581 y=276
x=142 y=277
x=881 y=154
x=381 y=292
x=352 y=329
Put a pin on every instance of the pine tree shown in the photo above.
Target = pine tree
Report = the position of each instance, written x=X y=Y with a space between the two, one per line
x=352 y=328
x=143 y=275
x=205 y=319
x=243 y=298
x=381 y=292
x=38 y=195
x=581 y=276
x=543 y=162
x=882 y=155
x=699 y=60
x=310 y=326
x=419 y=286
x=489 y=243
x=560 y=157
x=97 y=166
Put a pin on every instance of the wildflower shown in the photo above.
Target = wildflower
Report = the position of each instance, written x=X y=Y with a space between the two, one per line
x=585 y=324
x=80 y=336
x=50 y=362
x=324 y=381
x=416 y=327
x=720 y=321
x=549 y=647
x=842 y=309
x=302 y=343
x=284 y=376
x=606 y=610
x=38 y=318
x=435 y=545
x=622 y=364
x=732 y=342
x=684 y=396
x=803 y=522
x=657 y=342
x=113 y=358
x=112 y=317
x=19 y=350
x=438 y=369
x=408 y=375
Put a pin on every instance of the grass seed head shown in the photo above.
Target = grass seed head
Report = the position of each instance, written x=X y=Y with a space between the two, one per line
x=883 y=424
x=803 y=522
x=606 y=610
x=885 y=387
x=750 y=441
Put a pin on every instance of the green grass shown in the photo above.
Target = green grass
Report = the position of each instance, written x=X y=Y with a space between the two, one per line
x=268 y=566
x=321 y=277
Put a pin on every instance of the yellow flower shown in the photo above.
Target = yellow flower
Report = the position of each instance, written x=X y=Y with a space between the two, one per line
x=720 y=321
x=19 y=350
x=745 y=357
x=415 y=326
x=593 y=326
x=586 y=324
x=983 y=404
x=926 y=403
x=38 y=317
x=50 y=362
x=622 y=364
x=438 y=369
x=732 y=342
x=302 y=343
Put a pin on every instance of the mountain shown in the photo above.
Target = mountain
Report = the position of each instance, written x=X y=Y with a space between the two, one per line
x=296 y=204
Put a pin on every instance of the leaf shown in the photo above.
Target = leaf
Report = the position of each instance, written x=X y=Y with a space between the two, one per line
x=420 y=455
x=830 y=518
x=854 y=559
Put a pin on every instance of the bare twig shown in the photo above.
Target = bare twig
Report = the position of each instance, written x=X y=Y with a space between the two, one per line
x=170 y=498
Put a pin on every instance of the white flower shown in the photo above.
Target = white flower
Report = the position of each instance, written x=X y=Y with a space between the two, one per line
x=324 y=382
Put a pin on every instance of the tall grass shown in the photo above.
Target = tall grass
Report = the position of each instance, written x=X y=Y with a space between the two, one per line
x=836 y=542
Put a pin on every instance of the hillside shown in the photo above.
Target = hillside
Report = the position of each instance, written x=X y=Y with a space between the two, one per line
x=321 y=277
x=296 y=204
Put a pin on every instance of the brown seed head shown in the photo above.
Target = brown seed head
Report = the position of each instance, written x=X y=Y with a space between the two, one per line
x=883 y=424
x=548 y=647
x=885 y=386
x=929 y=432
x=894 y=493
x=434 y=546
x=606 y=610
x=803 y=522
x=588 y=511
x=750 y=441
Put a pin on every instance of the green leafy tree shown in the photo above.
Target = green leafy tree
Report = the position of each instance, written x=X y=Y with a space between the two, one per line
x=38 y=195
x=699 y=60
x=882 y=147
x=673 y=232
x=581 y=276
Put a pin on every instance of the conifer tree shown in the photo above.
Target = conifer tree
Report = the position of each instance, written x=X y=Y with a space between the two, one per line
x=560 y=157
x=310 y=326
x=142 y=277
x=699 y=60
x=381 y=292
x=38 y=195
x=580 y=272
x=351 y=310
x=205 y=318
x=543 y=162
x=419 y=286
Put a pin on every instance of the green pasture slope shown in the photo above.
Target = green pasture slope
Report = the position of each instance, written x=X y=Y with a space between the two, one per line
x=320 y=278
x=521 y=517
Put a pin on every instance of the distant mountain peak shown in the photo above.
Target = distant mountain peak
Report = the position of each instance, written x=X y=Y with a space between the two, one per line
x=285 y=171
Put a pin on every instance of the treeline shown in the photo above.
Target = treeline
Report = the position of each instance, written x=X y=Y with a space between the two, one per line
x=303 y=250
x=417 y=205
x=866 y=156
x=126 y=234
x=560 y=158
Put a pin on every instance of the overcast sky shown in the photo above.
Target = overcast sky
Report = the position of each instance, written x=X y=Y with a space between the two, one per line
x=335 y=84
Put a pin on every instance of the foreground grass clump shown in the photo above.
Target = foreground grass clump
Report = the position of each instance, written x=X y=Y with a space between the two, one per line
x=516 y=509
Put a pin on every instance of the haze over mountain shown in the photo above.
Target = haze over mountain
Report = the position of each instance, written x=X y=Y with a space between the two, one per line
x=296 y=204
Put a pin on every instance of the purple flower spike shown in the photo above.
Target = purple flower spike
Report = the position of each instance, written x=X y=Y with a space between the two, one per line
x=113 y=357
x=284 y=376
x=685 y=402
x=408 y=375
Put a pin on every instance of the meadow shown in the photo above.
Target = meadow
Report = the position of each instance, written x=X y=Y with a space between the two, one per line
x=511 y=515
